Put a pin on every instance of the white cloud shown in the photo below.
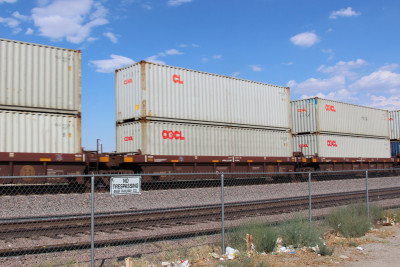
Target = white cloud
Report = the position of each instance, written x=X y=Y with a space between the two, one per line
x=183 y=45
x=340 y=95
x=155 y=60
x=381 y=80
x=329 y=52
x=8 y=1
x=389 y=67
x=147 y=6
x=17 y=15
x=343 y=68
x=204 y=59
x=348 y=12
x=110 y=65
x=111 y=36
x=217 y=56
x=291 y=83
x=312 y=85
x=69 y=19
x=288 y=63
x=178 y=2
x=256 y=68
x=173 y=51
x=195 y=45
x=10 y=22
x=305 y=39
x=29 y=31
x=383 y=102
x=235 y=74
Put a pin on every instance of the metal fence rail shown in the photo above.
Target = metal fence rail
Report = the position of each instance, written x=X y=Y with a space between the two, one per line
x=56 y=224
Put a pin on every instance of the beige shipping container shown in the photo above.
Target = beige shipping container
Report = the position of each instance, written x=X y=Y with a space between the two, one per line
x=32 y=132
x=341 y=146
x=151 y=91
x=37 y=77
x=169 y=138
x=394 y=124
x=316 y=115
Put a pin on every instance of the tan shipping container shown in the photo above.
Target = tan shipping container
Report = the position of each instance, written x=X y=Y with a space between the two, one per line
x=316 y=115
x=341 y=146
x=37 y=77
x=32 y=132
x=394 y=124
x=158 y=92
x=169 y=138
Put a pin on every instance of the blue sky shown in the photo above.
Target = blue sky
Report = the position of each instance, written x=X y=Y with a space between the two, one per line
x=341 y=50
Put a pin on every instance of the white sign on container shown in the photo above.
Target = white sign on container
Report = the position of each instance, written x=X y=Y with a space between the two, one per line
x=125 y=185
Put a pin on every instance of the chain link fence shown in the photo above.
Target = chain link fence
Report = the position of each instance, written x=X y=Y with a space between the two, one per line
x=174 y=215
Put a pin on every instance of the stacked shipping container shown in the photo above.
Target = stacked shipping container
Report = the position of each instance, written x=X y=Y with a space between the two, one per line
x=40 y=98
x=394 y=126
x=327 y=128
x=216 y=115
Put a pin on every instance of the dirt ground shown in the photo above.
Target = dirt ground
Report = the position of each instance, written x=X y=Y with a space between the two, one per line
x=380 y=247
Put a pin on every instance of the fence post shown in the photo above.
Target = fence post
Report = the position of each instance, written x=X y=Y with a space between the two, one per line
x=223 y=213
x=92 y=223
x=366 y=183
x=309 y=197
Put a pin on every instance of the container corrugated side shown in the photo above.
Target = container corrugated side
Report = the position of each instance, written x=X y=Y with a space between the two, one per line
x=148 y=90
x=32 y=132
x=169 y=138
x=39 y=76
x=340 y=146
x=327 y=116
x=395 y=149
x=394 y=124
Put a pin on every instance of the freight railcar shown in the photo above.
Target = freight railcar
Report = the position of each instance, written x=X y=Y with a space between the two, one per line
x=170 y=120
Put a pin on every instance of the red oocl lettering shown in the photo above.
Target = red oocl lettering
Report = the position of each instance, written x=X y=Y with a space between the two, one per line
x=128 y=81
x=302 y=110
x=303 y=145
x=128 y=138
x=177 y=79
x=177 y=135
x=330 y=108
x=390 y=119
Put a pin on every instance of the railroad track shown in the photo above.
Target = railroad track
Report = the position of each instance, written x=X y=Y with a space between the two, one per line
x=75 y=225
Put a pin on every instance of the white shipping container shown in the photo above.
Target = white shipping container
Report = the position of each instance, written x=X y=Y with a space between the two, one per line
x=39 y=76
x=169 y=138
x=326 y=116
x=340 y=146
x=394 y=124
x=32 y=132
x=153 y=91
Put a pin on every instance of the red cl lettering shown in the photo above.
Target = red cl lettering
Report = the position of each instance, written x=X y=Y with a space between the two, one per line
x=390 y=119
x=303 y=145
x=128 y=81
x=332 y=143
x=330 y=108
x=302 y=110
x=128 y=138
x=177 y=79
x=177 y=135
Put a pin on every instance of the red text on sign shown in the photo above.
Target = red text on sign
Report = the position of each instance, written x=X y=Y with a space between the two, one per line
x=302 y=110
x=303 y=145
x=177 y=135
x=177 y=79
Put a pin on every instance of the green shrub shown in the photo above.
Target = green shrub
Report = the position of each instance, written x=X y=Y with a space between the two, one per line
x=264 y=237
x=299 y=233
x=353 y=221
x=325 y=251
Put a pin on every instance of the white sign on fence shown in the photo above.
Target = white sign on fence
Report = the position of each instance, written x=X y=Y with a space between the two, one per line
x=125 y=185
